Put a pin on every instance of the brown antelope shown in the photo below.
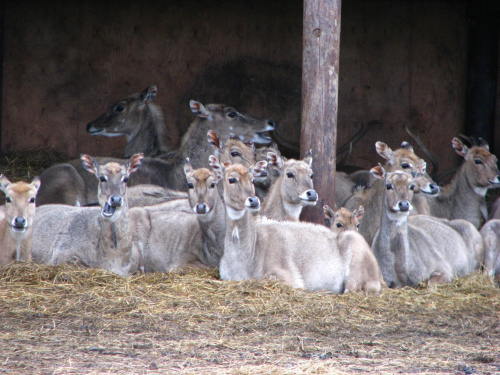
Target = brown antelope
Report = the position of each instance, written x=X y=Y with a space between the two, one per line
x=16 y=233
x=292 y=190
x=303 y=255
x=412 y=249
x=137 y=118
x=491 y=237
x=364 y=275
x=167 y=170
x=371 y=198
x=464 y=197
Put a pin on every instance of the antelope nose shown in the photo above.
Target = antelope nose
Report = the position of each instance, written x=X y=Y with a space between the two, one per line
x=115 y=201
x=312 y=195
x=253 y=202
x=271 y=124
x=19 y=222
x=89 y=125
x=201 y=208
x=404 y=206
x=434 y=189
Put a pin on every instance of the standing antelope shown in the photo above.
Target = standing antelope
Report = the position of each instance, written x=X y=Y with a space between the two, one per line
x=412 y=249
x=167 y=170
x=303 y=255
x=464 y=198
x=364 y=275
x=139 y=119
x=371 y=198
x=16 y=233
x=292 y=190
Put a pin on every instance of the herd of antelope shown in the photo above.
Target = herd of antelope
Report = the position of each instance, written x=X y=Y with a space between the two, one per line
x=227 y=199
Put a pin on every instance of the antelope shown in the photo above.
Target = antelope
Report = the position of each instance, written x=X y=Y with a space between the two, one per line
x=292 y=190
x=364 y=275
x=137 y=118
x=167 y=170
x=16 y=233
x=494 y=212
x=371 y=198
x=490 y=232
x=464 y=197
x=412 y=249
x=303 y=255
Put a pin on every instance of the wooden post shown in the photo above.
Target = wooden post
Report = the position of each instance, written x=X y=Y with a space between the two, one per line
x=320 y=82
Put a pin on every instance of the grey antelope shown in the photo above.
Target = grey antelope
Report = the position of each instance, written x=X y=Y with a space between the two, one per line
x=303 y=255
x=412 y=249
x=167 y=170
x=137 y=118
x=16 y=220
x=371 y=198
x=365 y=275
x=491 y=237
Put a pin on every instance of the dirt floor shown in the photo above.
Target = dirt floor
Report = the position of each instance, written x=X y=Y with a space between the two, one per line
x=65 y=320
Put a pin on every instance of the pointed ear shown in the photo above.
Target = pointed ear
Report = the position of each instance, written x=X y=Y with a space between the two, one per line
x=418 y=172
x=199 y=110
x=358 y=214
x=483 y=143
x=308 y=159
x=275 y=160
x=89 y=164
x=134 y=163
x=188 y=168
x=385 y=151
x=4 y=182
x=216 y=167
x=36 y=183
x=328 y=214
x=407 y=146
x=459 y=147
x=259 y=169
x=148 y=94
x=214 y=140
x=378 y=172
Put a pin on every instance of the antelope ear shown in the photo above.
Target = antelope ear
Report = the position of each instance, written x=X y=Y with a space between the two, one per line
x=36 y=182
x=214 y=140
x=459 y=147
x=328 y=212
x=308 y=159
x=89 y=164
x=418 y=172
x=407 y=146
x=216 y=167
x=134 y=163
x=4 y=182
x=188 y=168
x=358 y=214
x=378 y=172
x=385 y=151
x=275 y=160
x=149 y=94
x=199 y=110
x=259 y=169
x=483 y=143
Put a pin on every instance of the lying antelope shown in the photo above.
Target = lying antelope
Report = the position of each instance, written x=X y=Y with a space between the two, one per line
x=303 y=255
x=371 y=198
x=491 y=237
x=137 y=118
x=167 y=171
x=17 y=220
x=364 y=275
x=464 y=198
x=292 y=190
x=412 y=249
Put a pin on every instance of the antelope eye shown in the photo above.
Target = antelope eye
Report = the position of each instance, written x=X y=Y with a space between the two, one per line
x=477 y=161
x=125 y=179
x=212 y=185
x=357 y=225
x=312 y=176
x=119 y=108
x=8 y=199
x=405 y=166
x=235 y=153
x=232 y=180
x=388 y=186
x=32 y=200
x=412 y=187
x=190 y=185
x=289 y=174
x=339 y=225
x=103 y=179
x=232 y=114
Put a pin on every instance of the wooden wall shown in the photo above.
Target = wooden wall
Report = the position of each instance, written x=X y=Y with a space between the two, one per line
x=401 y=62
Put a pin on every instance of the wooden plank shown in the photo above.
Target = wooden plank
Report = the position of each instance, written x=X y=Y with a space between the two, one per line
x=320 y=80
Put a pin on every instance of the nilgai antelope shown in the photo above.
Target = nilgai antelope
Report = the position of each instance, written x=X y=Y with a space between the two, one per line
x=371 y=198
x=464 y=197
x=364 y=275
x=292 y=190
x=494 y=212
x=303 y=255
x=16 y=220
x=137 y=118
x=491 y=237
x=167 y=171
x=413 y=249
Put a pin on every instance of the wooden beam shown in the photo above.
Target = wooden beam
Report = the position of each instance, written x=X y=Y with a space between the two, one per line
x=320 y=82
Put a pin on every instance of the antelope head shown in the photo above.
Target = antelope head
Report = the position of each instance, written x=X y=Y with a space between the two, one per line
x=202 y=188
x=342 y=219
